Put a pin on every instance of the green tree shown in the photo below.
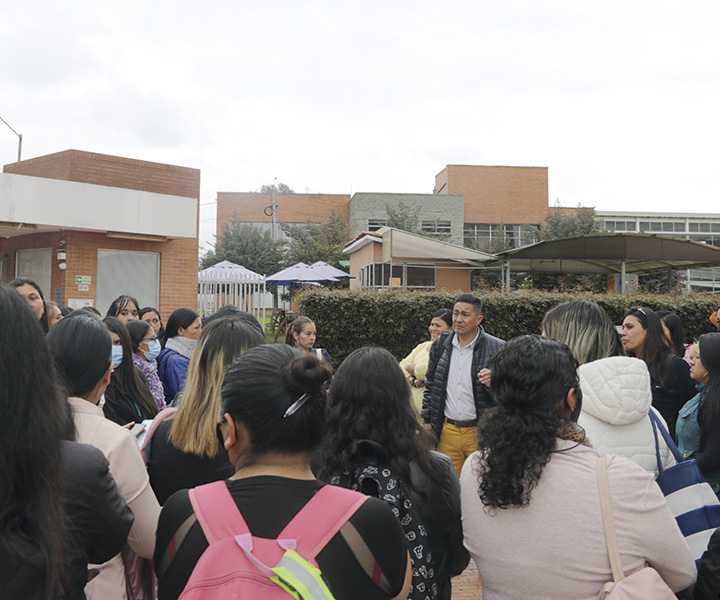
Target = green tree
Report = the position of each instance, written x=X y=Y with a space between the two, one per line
x=560 y=224
x=280 y=188
x=248 y=246
x=403 y=217
x=311 y=242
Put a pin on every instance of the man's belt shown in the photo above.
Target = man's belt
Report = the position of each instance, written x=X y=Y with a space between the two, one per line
x=471 y=423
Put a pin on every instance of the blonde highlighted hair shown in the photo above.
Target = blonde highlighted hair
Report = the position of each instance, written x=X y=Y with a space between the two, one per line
x=194 y=425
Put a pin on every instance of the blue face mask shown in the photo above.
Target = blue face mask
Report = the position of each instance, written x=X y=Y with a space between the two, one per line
x=153 y=350
x=117 y=355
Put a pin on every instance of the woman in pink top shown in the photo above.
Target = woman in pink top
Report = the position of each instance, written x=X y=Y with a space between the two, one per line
x=531 y=510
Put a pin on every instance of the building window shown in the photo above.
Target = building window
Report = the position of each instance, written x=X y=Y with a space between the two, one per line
x=514 y=235
x=407 y=276
x=375 y=224
x=437 y=227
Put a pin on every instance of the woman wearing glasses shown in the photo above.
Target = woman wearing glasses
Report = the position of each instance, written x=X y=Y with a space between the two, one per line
x=145 y=349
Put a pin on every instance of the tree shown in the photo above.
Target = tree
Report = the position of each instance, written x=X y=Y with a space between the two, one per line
x=560 y=224
x=280 y=188
x=311 y=242
x=248 y=246
x=403 y=217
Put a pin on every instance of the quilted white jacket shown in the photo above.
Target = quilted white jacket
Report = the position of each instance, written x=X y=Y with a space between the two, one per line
x=616 y=400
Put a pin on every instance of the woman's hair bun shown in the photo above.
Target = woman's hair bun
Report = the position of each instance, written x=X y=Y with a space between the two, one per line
x=307 y=374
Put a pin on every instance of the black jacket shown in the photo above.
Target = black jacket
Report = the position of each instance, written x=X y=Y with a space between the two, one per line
x=433 y=410
x=99 y=519
x=708 y=577
x=438 y=505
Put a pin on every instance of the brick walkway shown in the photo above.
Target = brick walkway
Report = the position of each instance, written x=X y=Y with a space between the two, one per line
x=466 y=586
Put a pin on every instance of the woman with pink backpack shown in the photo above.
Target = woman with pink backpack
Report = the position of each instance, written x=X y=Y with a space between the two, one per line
x=272 y=526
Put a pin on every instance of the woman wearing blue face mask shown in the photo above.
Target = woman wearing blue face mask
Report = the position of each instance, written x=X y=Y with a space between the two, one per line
x=127 y=398
x=145 y=349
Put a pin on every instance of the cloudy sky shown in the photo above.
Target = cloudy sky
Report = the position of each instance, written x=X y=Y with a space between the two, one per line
x=619 y=99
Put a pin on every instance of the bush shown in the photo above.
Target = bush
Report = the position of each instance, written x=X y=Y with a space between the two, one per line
x=398 y=320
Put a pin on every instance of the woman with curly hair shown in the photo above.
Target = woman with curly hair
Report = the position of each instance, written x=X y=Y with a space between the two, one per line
x=530 y=496
x=374 y=418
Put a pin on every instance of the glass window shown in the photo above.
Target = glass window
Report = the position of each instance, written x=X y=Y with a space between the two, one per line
x=420 y=277
x=693 y=226
x=375 y=224
x=705 y=227
x=644 y=226
x=654 y=226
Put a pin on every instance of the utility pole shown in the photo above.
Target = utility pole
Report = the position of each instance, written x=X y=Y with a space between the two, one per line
x=19 y=138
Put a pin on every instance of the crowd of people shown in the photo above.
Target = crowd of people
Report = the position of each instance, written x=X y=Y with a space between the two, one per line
x=147 y=459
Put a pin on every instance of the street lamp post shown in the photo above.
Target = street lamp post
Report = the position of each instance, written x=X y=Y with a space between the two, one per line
x=19 y=138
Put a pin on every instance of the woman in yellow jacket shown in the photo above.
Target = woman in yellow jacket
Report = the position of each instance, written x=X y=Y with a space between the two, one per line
x=415 y=364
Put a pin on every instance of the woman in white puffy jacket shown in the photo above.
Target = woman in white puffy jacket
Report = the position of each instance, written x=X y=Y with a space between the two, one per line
x=616 y=388
x=616 y=402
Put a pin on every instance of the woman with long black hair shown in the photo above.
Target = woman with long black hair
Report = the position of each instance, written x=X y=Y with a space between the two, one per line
x=181 y=334
x=81 y=349
x=532 y=519
x=128 y=398
x=31 y=291
x=642 y=337
x=59 y=506
x=698 y=425
x=32 y=528
x=372 y=419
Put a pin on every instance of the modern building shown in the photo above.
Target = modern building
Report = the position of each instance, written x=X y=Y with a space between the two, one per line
x=392 y=258
x=470 y=204
x=89 y=227
x=699 y=227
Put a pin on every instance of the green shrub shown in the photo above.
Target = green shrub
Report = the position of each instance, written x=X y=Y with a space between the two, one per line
x=398 y=320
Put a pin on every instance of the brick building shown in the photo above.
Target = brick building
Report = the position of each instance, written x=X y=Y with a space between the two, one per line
x=292 y=209
x=469 y=204
x=89 y=227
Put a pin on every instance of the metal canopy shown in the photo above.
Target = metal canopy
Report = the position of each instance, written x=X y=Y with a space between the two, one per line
x=622 y=253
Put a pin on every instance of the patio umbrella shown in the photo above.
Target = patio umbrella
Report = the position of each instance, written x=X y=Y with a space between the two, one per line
x=327 y=269
x=299 y=274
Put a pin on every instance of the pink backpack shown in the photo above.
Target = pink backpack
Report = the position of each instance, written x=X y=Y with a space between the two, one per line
x=159 y=418
x=240 y=566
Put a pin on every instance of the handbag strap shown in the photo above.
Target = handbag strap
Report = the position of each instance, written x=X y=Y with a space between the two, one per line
x=607 y=517
x=657 y=423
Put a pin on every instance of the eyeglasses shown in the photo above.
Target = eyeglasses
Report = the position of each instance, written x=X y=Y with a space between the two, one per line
x=150 y=339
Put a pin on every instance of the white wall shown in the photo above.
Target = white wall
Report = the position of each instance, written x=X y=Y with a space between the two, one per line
x=73 y=205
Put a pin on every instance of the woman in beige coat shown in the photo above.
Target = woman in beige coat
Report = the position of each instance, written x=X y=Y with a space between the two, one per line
x=81 y=349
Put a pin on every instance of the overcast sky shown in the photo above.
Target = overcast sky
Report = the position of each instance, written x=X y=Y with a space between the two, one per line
x=619 y=99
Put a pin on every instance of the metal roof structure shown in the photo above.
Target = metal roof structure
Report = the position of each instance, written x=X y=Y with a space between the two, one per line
x=619 y=253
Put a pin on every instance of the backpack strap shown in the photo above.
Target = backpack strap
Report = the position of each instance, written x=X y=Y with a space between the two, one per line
x=217 y=512
x=321 y=518
x=157 y=420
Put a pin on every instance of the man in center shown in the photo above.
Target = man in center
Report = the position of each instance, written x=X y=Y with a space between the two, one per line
x=456 y=393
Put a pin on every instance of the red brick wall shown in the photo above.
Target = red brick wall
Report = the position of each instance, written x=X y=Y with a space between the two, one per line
x=179 y=258
x=512 y=195
x=292 y=208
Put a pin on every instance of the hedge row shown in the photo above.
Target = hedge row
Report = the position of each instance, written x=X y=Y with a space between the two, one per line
x=398 y=320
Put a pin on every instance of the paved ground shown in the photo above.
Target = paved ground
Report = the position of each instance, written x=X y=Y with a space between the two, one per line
x=466 y=586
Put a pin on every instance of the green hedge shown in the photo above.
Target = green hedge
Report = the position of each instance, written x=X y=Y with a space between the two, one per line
x=398 y=320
